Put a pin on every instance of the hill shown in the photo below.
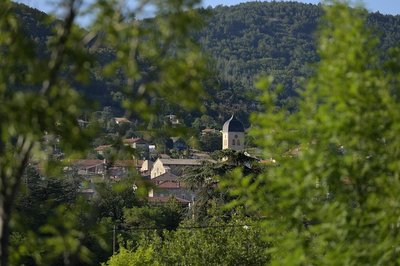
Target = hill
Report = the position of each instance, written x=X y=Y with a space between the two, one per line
x=275 y=38
x=245 y=41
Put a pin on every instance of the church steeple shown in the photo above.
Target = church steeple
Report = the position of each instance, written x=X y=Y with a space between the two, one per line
x=233 y=134
x=233 y=125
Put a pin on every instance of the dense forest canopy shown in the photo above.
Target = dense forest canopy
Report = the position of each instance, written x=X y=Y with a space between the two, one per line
x=244 y=42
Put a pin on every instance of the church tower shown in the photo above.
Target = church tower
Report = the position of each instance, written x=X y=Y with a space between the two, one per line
x=233 y=135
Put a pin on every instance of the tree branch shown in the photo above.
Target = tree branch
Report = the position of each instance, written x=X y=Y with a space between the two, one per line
x=58 y=54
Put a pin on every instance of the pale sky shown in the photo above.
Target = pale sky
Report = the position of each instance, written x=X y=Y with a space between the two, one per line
x=383 y=6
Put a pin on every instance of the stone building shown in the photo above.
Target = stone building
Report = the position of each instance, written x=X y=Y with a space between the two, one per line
x=233 y=135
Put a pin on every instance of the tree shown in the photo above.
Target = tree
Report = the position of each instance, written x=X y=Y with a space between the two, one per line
x=49 y=105
x=331 y=196
x=204 y=180
x=125 y=257
x=167 y=216
x=155 y=59
x=113 y=197
x=236 y=242
x=211 y=142
x=52 y=224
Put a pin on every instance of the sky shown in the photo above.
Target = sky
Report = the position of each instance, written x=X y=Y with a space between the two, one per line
x=383 y=6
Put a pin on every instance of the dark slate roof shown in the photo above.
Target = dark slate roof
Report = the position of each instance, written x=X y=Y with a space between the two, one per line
x=182 y=162
x=233 y=125
x=167 y=176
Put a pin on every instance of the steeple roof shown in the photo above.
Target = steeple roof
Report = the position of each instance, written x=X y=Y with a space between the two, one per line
x=233 y=125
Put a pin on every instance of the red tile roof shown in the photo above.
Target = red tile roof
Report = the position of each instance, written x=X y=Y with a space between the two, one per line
x=86 y=162
x=128 y=163
x=102 y=147
x=121 y=120
x=117 y=163
x=134 y=140
x=169 y=185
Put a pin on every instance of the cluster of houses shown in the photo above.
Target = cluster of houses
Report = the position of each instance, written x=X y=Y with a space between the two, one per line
x=165 y=174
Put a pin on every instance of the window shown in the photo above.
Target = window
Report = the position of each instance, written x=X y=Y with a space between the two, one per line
x=233 y=142
x=238 y=142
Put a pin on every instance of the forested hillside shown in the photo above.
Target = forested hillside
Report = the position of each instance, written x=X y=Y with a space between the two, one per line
x=262 y=38
x=275 y=39
x=244 y=41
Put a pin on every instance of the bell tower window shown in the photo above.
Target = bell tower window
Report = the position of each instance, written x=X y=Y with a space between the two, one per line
x=236 y=140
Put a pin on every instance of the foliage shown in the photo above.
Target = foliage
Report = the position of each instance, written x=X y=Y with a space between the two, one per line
x=205 y=121
x=138 y=220
x=167 y=216
x=204 y=181
x=211 y=142
x=142 y=65
x=153 y=61
x=41 y=196
x=52 y=224
x=268 y=38
x=237 y=242
x=113 y=197
x=124 y=257
x=36 y=101
x=331 y=196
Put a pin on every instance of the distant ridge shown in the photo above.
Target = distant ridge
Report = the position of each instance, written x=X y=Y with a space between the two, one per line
x=245 y=41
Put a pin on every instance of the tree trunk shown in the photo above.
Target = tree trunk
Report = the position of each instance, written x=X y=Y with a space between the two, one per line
x=5 y=212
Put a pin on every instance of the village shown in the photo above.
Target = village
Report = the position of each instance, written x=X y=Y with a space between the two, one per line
x=199 y=133
x=165 y=173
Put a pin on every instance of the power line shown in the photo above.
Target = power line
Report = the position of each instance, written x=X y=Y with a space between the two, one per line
x=133 y=228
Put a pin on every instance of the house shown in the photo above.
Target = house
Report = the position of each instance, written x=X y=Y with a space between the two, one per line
x=132 y=164
x=199 y=155
x=121 y=120
x=82 y=123
x=170 y=185
x=88 y=190
x=178 y=143
x=209 y=131
x=116 y=169
x=173 y=119
x=175 y=166
x=146 y=167
x=87 y=167
x=88 y=193
x=122 y=168
x=166 y=175
x=140 y=145
x=101 y=149
x=136 y=143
